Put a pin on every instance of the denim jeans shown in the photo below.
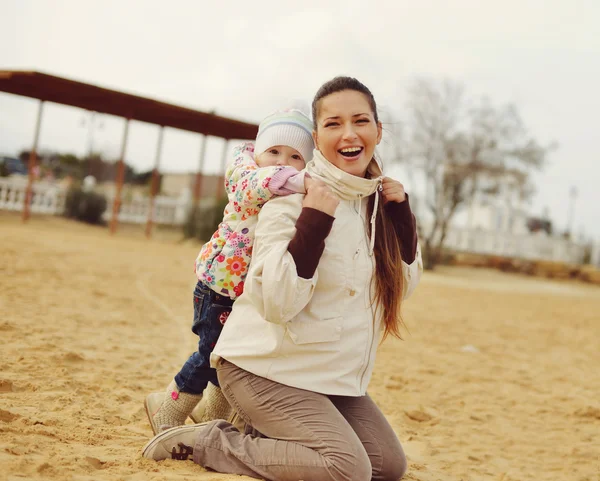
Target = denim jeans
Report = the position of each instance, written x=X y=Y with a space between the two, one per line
x=210 y=313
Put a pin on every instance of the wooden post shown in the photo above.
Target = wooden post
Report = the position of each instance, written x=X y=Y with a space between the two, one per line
x=221 y=186
x=32 y=163
x=199 y=175
x=154 y=184
x=119 y=181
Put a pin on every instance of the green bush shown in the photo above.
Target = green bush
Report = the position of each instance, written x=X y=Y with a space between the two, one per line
x=85 y=206
x=203 y=222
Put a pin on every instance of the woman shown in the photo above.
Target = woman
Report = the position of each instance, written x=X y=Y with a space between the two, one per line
x=328 y=274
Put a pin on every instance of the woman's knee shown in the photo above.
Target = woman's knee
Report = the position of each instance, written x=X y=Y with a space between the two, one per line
x=350 y=466
x=394 y=466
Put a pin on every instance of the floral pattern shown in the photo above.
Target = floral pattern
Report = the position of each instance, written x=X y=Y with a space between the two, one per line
x=223 y=261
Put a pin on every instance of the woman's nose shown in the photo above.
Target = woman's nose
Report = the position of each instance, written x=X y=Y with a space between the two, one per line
x=349 y=132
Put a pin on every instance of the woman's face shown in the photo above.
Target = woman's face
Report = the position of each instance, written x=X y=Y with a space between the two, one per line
x=346 y=131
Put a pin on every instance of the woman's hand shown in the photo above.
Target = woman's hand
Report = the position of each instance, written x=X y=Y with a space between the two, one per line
x=393 y=191
x=320 y=197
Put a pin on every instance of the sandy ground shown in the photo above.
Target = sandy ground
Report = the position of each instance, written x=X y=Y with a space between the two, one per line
x=498 y=379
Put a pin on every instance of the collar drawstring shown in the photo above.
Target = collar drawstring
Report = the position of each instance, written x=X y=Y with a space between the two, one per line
x=374 y=215
x=359 y=220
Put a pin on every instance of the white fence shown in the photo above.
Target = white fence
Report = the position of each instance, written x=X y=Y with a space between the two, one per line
x=527 y=246
x=167 y=210
x=50 y=199
x=596 y=255
x=47 y=199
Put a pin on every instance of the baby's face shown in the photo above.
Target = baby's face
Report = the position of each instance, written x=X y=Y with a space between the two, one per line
x=280 y=155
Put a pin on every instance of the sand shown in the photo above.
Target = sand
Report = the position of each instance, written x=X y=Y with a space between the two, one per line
x=499 y=377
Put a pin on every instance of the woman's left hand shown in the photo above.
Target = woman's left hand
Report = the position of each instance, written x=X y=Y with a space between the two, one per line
x=393 y=191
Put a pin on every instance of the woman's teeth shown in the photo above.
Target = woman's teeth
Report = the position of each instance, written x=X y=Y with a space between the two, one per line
x=350 y=151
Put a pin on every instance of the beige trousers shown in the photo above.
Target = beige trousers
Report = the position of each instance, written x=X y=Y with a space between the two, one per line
x=302 y=435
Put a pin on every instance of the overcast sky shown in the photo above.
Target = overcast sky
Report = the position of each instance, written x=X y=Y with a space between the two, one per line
x=244 y=59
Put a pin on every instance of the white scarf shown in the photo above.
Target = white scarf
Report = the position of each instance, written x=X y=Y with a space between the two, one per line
x=347 y=186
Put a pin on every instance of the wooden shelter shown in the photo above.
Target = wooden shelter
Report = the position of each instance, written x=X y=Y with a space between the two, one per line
x=48 y=88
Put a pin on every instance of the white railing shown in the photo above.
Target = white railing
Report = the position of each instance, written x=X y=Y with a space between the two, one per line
x=46 y=199
x=167 y=210
x=596 y=255
x=50 y=199
x=524 y=246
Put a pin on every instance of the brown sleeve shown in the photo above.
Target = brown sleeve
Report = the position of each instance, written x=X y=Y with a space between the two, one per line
x=405 y=225
x=308 y=243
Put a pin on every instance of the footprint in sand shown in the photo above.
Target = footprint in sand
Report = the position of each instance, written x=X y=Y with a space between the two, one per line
x=419 y=415
x=394 y=382
x=73 y=357
x=95 y=462
x=588 y=412
x=6 y=385
x=7 y=416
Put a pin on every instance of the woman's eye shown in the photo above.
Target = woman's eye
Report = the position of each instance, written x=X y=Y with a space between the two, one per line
x=331 y=124
x=362 y=121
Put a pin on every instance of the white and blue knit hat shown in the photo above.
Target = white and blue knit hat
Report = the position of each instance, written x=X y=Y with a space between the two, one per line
x=286 y=127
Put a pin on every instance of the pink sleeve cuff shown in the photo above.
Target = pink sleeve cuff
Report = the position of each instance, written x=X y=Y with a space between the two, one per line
x=287 y=181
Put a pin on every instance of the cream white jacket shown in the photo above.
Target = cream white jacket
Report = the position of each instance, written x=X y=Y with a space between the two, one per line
x=318 y=334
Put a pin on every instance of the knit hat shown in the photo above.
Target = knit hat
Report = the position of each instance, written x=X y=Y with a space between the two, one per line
x=286 y=127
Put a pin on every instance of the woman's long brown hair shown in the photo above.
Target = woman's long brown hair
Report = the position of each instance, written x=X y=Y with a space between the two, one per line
x=388 y=278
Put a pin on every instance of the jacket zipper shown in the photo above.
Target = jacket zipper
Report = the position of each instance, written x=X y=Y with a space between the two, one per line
x=371 y=333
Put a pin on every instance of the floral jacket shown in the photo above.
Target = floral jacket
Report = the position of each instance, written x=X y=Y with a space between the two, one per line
x=223 y=261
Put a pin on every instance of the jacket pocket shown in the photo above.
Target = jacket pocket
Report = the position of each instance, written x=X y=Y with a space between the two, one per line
x=218 y=312
x=310 y=332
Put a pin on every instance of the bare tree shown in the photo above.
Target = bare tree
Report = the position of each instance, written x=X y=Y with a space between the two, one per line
x=462 y=147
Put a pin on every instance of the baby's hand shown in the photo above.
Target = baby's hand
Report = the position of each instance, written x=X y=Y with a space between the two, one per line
x=308 y=182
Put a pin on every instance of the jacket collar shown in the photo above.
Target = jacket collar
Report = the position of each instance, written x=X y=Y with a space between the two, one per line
x=346 y=186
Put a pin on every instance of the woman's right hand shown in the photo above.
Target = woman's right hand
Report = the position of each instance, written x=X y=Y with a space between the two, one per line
x=319 y=196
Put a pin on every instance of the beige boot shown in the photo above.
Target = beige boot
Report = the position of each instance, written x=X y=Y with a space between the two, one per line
x=171 y=409
x=212 y=406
